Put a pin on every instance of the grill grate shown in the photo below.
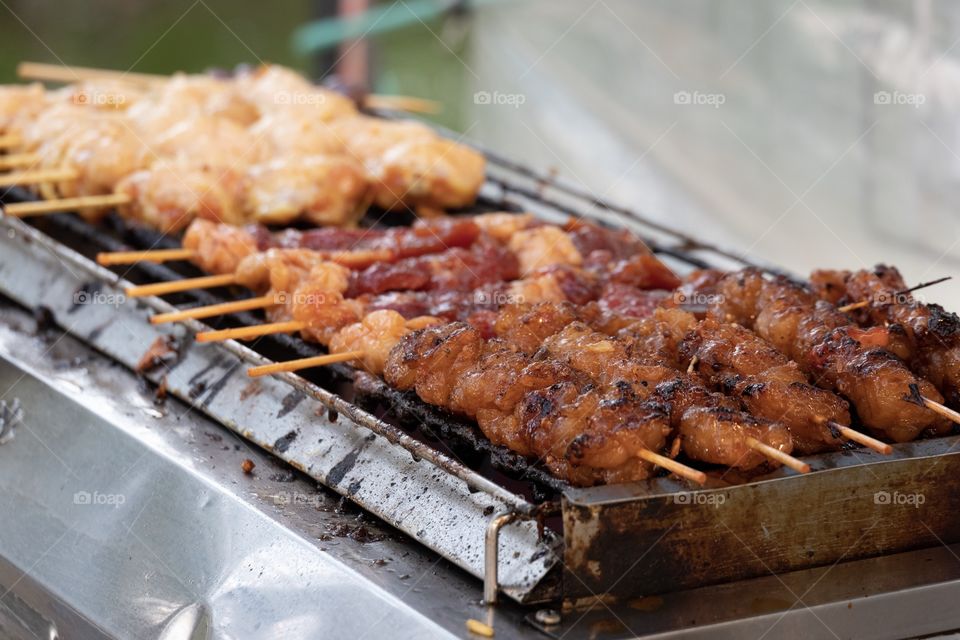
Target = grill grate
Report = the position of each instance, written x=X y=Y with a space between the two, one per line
x=438 y=429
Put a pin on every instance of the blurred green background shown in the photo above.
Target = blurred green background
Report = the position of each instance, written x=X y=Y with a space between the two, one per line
x=161 y=36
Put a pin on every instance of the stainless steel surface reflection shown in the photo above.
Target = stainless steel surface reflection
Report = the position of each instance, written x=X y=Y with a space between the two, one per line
x=124 y=518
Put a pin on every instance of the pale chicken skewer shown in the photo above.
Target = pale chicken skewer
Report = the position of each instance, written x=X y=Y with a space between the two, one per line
x=330 y=162
x=166 y=191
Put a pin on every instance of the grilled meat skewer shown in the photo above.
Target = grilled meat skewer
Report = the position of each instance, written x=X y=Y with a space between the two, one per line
x=837 y=354
x=924 y=335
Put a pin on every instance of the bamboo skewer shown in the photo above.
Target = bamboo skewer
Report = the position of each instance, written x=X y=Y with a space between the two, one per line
x=212 y=310
x=304 y=363
x=861 y=438
x=863 y=303
x=18 y=160
x=163 y=288
x=10 y=141
x=775 y=454
x=248 y=333
x=71 y=74
x=25 y=178
x=41 y=207
x=357 y=258
x=409 y=104
x=946 y=412
x=673 y=466
x=107 y=259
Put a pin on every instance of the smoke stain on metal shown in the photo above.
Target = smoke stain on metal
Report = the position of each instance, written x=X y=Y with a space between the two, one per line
x=220 y=383
x=215 y=363
x=281 y=444
x=252 y=389
x=290 y=402
x=339 y=470
x=98 y=331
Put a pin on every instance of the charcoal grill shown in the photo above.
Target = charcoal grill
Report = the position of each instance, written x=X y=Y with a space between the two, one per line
x=619 y=558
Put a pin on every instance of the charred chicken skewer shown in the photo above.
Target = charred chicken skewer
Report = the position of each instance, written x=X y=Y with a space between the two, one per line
x=887 y=396
x=925 y=336
x=544 y=416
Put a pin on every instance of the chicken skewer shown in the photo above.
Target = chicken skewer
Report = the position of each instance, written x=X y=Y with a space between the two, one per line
x=221 y=249
x=218 y=248
x=334 y=161
x=380 y=331
x=770 y=385
x=70 y=74
x=483 y=382
x=495 y=254
x=888 y=398
x=321 y=330
x=925 y=336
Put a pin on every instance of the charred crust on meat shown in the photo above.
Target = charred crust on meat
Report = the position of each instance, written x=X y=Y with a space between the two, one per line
x=942 y=323
x=752 y=390
x=576 y=448
x=914 y=396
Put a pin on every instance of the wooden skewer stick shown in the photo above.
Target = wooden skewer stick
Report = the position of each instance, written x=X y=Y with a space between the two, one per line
x=41 y=207
x=212 y=310
x=68 y=74
x=853 y=306
x=422 y=322
x=304 y=363
x=946 y=412
x=10 y=141
x=163 y=288
x=861 y=438
x=775 y=454
x=354 y=259
x=248 y=333
x=863 y=303
x=18 y=160
x=23 y=178
x=155 y=255
x=673 y=466
x=403 y=103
